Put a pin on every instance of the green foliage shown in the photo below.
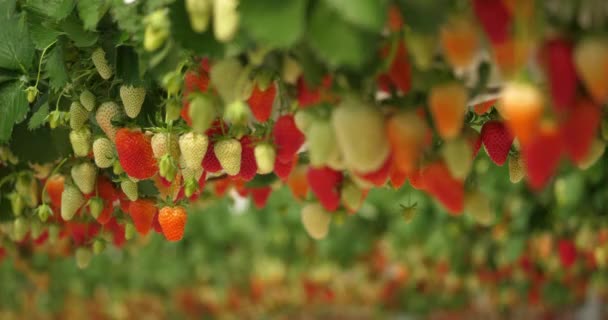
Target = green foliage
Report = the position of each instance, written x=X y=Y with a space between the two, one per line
x=14 y=106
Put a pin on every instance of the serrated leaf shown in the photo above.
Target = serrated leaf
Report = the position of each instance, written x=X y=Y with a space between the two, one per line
x=41 y=145
x=43 y=32
x=202 y=44
x=55 y=67
x=56 y=9
x=14 y=106
x=90 y=12
x=336 y=41
x=16 y=49
x=39 y=117
x=280 y=27
x=74 y=29
x=370 y=15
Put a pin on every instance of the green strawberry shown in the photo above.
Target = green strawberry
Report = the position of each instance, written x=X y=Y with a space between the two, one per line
x=27 y=188
x=517 y=170
x=101 y=64
x=225 y=19
x=130 y=231
x=351 y=196
x=228 y=152
x=78 y=115
x=32 y=94
x=237 y=113
x=132 y=99
x=193 y=147
x=71 y=200
x=199 y=12
x=84 y=176
x=458 y=157
x=130 y=189
x=315 y=220
x=95 y=206
x=321 y=142
x=44 y=212
x=99 y=245
x=36 y=228
x=103 y=152
x=303 y=119
x=21 y=226
x=83 y=257
x=81 y=141
x=265 y=156
x=87 y=99
x=409 y=212
x=17 y=203
x=157 y=29
x=202 y=112
x=224 y=75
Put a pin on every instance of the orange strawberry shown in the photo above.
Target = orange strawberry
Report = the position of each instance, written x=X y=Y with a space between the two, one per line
x=297 y=182
x=447 y=103
x=397 y=177
x=511 y=55
x=522 y=106
x=173 y=222
x=220 y=186
x=54 y=189
x=459 y=41
x=542 y=155
x=416 y=180
x=142 y=211
x=580 y=128
x=591 y=61
x=483 y=107
x=406 y=134
x=448 y=190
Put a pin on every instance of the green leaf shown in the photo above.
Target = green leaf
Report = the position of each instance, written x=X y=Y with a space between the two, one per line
x=127 y=65
x=202 y=44
x=14 y=106
x=424 y=16
x=72 y=26
x=56 y=9
x=336 y=41
x=370 y=15
x=90 y=12
x=147 y=188
x=16 y=49
x=41 y=145
x=39 y=117
x=55 y=67
x=43 y=32
x=280 y=27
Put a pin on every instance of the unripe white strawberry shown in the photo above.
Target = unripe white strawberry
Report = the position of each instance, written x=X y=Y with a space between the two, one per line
x=103 y=152
x=99 y=246
x=129 y=188
x=291 y=70
x=81 y=141
x=517 y=169
x=224 y=75
x=162 y=142
x=225 y=19
x=83 y=257
x=157 y=29
x=21 y=226
x=87 y=99
x=228 y=152
x=361 y=135
x=84 y=176
x=71 y=200
x=315 y=220
x=321 y=141
x=265 y=156
x=202 y=112
x=78 y=115
x=193 y=147
x=351 y=196
x=303 y=120
x=199 y=12
x=458 y=156
x=105 y=113
x=132 y=99
x=101 y=64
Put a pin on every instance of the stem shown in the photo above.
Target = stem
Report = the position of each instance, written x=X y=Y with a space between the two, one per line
x=40 y=63
x=59 y=99
x=57 y=167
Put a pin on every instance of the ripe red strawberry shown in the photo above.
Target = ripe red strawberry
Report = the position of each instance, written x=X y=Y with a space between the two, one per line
x=156 y=225
x=567 y=252
x=142 y=212
x=557 y=55
x=210 y=161
x=378 y=178
x=400 y=69
x=397 y=177
x=135 y=153
x=194 y=82
x=260 y=196
x=249 y=167
x=118 y=232
x=415 y=179
x=261 y=102
x=283 y=169
x=308 y=96
x=106 y=191
x=173 y=222
x=220 y=186
x=447 y=190
x=542 y=155
x=54 y=188
x=498 y=140
x=287 y=138
x=580 y=128
x=494 y=18
x=324 y=183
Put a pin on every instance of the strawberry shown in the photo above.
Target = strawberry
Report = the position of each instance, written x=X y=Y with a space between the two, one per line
x=297 y=183
x=522 y=107
x=324 y=183
x=71 y=201
x=580 y=128
x=567 y=252
x=265 y=156
x=478 y=206
x=307 y=96
x=516 y=168
x=84 y=176
x=249 y=167
x=193 y=147
x=406 y=133
x=195 y=82
x=210 y=162
x=448 y=190
x=173 y=222
x=542 y=155
x=287 y=138
x=225 y=19
x=315 y=220
x=291 y=70
x=199 y=12
x=557 y=55
x=132 y=99
x=497 y=140
x=78 y=115
x=474 y=139
x=224 y=77
x=447 y=104
x=458 y=157
x=416 y=180
x=304 y=120
x=129 y=188
x=106 y=191
x=459 y=41
x=483 y=107
x=103 y=152
x=395 y=19
x=81 y=141
x=595 y=153
x=87 y=99
x=101 y=64
x=54 y=189
x=142 y=212
x=162 y=142
x=105 y=113
x=378 y=178
x=135 y=153
x=495 y=19
x=360 y=134
x=260 y=196
x=351 y=196
x=201 y=112
x=261 y=102
x=591 y=62
x=83 y=257
x=228 y=153
x=283 y=169
x=400 y=69
x=321 y=142
x=397 y=177
x=422 y=47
